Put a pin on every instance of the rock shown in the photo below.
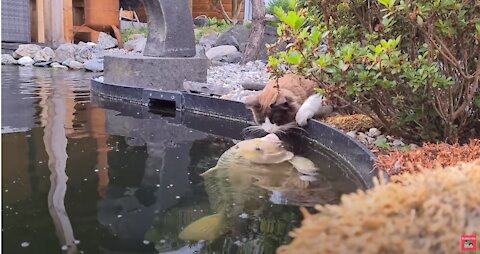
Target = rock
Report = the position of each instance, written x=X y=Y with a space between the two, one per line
x=42 y=64
x=235 y=36
x=67 y=61
x=135 y=45
x=362 y=137
x=16 y=56
x=200 y=21
x=106 y=41
x=8 y=59
x=255 y=86
x=373 y=132
x=270 y=36
x=56 y=65
x=64 y=52
x=208 y=40
x=75 y=65
x=413 y=146
x=398 y=143
x=220 y=51
x=352 y=134
x=85 y=53
x=46 y=54
x=26 y=61
x=238 y=95
x=206 y=88
x=95 y=65
x=231 y=58
x=27 y=50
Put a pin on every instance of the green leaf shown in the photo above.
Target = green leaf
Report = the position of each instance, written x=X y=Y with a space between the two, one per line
x=419 y=20
x=382 y=143
x=280 y=13
x=292 y=4
x=477 y=101
x=294 y=58
x=387 y=3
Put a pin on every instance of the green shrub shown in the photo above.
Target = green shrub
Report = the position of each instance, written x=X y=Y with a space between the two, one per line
x=217 y=27
x=413 y=66
x=129 y=32
x=284 y=4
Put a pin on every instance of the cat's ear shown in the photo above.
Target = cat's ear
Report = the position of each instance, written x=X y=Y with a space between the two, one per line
x=252 y=101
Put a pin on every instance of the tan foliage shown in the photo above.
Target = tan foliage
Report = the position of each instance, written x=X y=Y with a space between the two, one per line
x=426 y=213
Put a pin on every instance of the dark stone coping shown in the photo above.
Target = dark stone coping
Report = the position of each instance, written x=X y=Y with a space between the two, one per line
x=349 y=149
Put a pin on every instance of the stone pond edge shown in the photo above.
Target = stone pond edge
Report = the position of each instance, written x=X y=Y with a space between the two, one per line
x=352 y=151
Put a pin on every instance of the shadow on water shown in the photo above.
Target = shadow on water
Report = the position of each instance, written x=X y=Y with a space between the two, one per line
x=106 y=177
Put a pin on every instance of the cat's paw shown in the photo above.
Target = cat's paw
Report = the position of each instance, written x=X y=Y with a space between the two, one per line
x=302 y=117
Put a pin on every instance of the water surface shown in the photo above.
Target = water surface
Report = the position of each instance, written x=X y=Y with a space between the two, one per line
x=81 y=174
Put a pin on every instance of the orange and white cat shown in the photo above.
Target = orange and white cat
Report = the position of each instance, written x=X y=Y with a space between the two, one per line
x=285 y=102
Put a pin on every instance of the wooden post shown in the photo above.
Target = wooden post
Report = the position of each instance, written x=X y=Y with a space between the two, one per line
x=256 y=35
x=40 y=22
x=53 y=11
x=190 y=5
x=68 y=20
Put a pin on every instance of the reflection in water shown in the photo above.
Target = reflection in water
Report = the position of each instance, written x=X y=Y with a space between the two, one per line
x=55 y=141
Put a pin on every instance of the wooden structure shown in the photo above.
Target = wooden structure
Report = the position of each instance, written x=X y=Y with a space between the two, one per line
x=205 y=7
x=54 y=22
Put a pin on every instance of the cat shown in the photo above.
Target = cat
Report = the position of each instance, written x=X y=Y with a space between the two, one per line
x=285 y=103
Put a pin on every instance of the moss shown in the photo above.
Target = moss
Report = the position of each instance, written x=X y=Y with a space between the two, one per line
x=355 y=122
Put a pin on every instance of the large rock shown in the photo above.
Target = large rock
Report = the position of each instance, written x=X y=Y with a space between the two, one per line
x=236 y=36
x=86 y=52
x=26 y=61
x=64 y=52
x=135 y=45
x=217 y=52
x=46 y=54
x=208 y=40
x=75 y=65
x=105 y=41
x=8 y=59
x=56 y=65
x=27 y=50
x=231 y=58
x=270 y=36
x=95 y=65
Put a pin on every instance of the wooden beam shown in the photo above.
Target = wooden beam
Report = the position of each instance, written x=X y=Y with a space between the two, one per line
x=40 y=21
x=68 y=20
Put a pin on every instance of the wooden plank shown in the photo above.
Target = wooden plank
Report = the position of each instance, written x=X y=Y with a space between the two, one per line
x=68 y=20
x=40 y=21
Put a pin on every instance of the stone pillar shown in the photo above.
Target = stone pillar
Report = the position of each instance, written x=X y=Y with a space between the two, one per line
x=170 y=29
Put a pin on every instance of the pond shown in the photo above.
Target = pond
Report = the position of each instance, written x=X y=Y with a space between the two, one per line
x=82 y=174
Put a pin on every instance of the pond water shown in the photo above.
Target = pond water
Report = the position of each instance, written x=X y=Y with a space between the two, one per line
x=81 y=174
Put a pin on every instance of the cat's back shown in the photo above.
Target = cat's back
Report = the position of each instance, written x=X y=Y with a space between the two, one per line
x=292 y=83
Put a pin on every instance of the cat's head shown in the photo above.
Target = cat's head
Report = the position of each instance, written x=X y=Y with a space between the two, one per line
x=274 y=112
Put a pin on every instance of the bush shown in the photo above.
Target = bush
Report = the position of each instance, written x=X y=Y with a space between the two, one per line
x=284 y=4
x=413 y=66
x=129 y=32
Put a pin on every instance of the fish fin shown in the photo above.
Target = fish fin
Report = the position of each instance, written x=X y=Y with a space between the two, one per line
x=208 y=171
x=206 y=228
